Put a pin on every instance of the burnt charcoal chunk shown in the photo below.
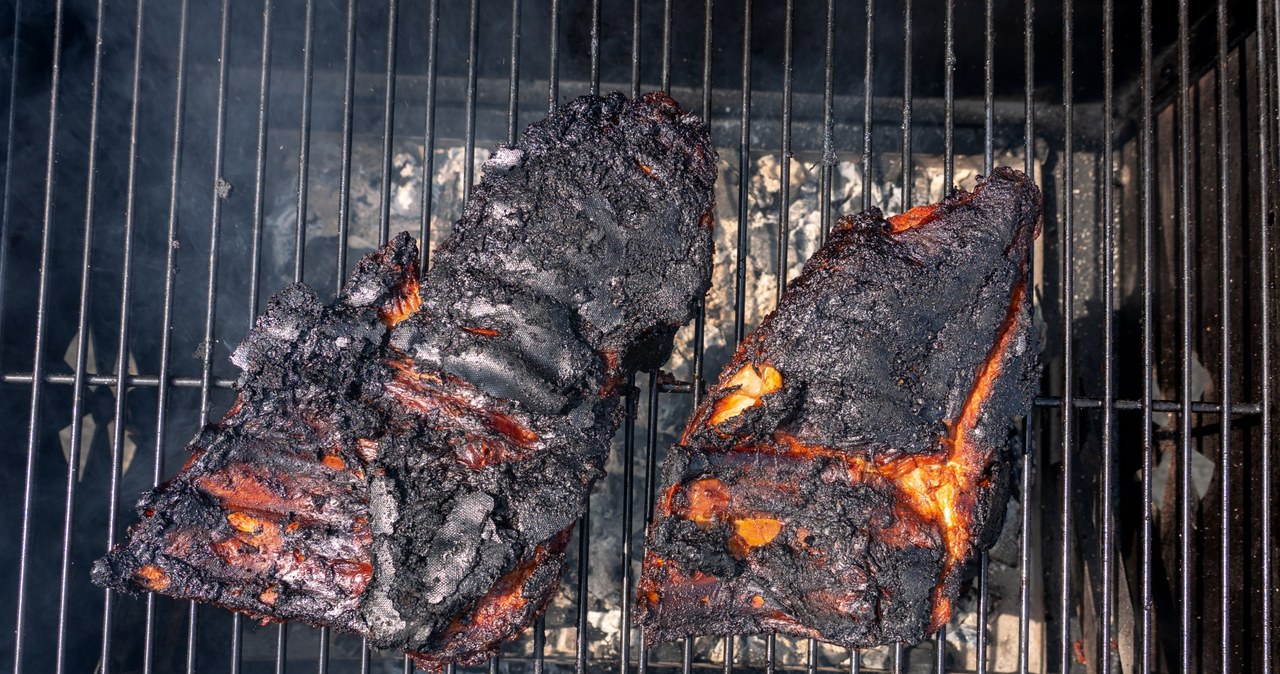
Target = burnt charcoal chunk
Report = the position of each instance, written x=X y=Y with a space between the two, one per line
x=408 y=461
x=853 y=455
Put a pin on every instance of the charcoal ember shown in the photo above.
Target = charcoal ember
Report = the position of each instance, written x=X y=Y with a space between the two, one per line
x=408 y=461
x=854 y=453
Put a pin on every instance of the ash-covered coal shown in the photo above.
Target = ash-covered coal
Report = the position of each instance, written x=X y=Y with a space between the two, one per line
x=854 y=453
x=408 y=461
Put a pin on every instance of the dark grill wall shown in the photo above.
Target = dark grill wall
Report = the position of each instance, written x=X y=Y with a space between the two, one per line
x=157 y=154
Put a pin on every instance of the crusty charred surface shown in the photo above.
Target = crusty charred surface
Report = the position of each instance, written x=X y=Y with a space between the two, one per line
x=572 y=267
x=512 y=603
x=408 y=461
x=852 y=456
x=271 y=514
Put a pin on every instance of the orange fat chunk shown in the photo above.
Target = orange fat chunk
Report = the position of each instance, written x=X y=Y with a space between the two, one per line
x=153 y=577
x=752 y=384
x=244 y=522
x=707 y=498
x=757 y=531
x=920 y=215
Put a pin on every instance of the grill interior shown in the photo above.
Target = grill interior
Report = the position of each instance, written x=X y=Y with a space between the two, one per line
x=169 y=165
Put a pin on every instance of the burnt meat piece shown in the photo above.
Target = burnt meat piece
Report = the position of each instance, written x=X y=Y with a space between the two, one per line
x=852 y=456
x=408 y=461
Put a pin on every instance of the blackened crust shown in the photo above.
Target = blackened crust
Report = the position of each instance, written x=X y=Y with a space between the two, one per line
x=810 y=491
x=408 y=461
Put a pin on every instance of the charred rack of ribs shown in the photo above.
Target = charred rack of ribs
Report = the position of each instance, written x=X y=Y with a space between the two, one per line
x=853 y=455
x=408 y=462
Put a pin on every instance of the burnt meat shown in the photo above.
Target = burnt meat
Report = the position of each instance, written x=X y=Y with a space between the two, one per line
x=853 y=454
x=408 y=461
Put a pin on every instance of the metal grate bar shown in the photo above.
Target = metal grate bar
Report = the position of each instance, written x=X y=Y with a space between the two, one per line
x=1108 y=342
x=166 y=322
x=1275 y=26
x=983 y=576
x=1028 y=89
x=1224 y=214
x=988 y=88
x=513 y=94
x=1068 y=319
x=260 y=170
x=122 y=338
x=304 y=144
x=867 y=86
x=651 y=485
x=344 y=174
x=628 y=480
x=949 y=95
x=215 y=224
x=1079 y=402
x=906 y=112
x=539 y=644
x=584 y=554
x=666 y=49
x=940 y=647
x=41 y=318
x=73 y=460
x=744 y=164
x=584 y=525
x=784 y=186
x=948 y=181
x=1148 y=316
x=1156 y=405
x=388 y=122
x=1183 y=169
x=595 y=47
x=1029 y=448
x=429 y=122
x=553 y=58
x=635 y=49
x=123 y=335
x=1265 y=72
x=1024 y=542
x=282 y=648
x=700 y=322
x=828 y=142
x=473 y=46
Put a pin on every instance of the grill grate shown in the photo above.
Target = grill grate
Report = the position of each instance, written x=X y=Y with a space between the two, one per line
x=134 y=255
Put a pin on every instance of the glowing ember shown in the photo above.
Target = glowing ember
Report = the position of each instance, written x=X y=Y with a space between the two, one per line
x=752 y=385
x=405 y=301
